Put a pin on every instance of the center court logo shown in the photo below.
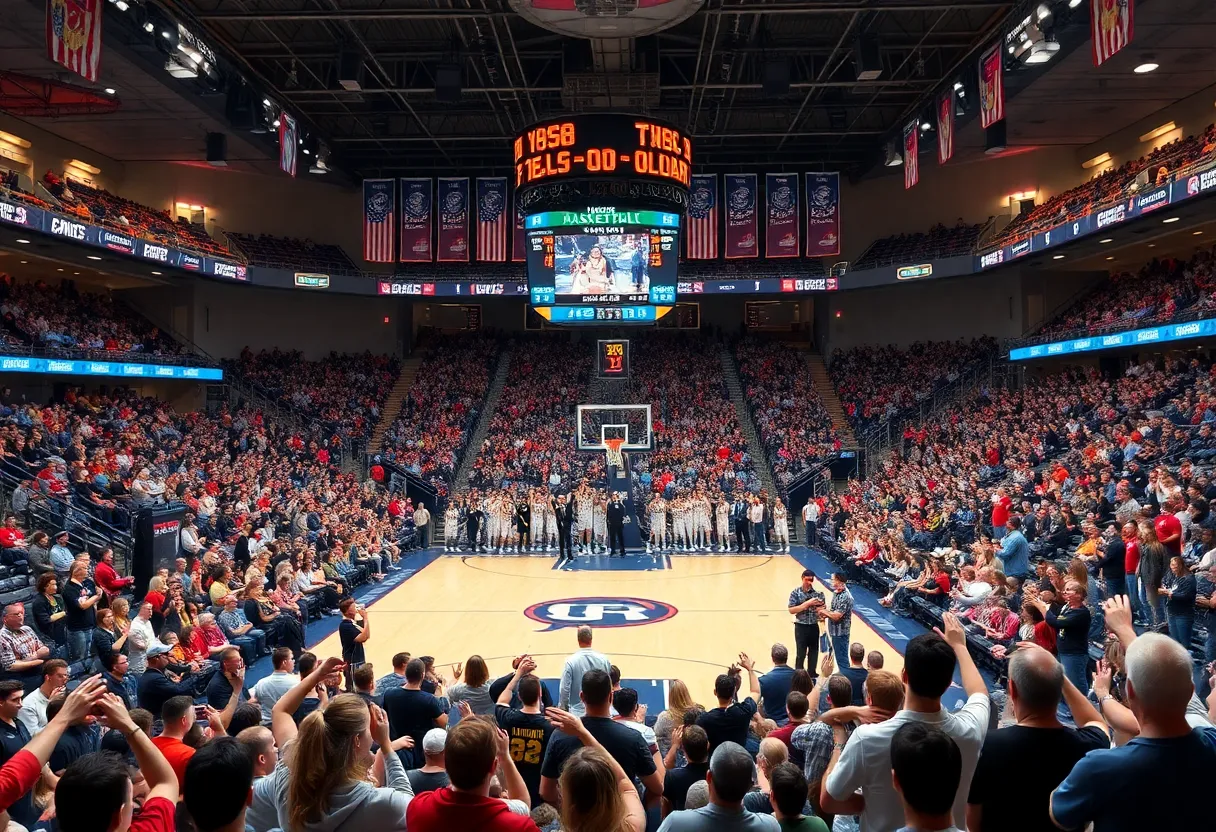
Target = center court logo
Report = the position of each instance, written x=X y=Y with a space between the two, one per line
x=599 y=612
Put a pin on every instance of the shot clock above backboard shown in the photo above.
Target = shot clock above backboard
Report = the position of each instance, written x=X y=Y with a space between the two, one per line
x=612 y=358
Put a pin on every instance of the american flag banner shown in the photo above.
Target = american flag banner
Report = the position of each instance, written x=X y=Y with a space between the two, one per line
x=702 y=233
x=911 y=151
x=379 y=202
x=73 y=35
x=492 y=210
x=289 y=144
x=1111 y=24
x=945 y=126
x=992 y=86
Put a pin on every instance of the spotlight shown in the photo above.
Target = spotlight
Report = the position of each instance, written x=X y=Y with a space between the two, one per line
x=149 y=28
x=1042 y=12
x=266 y=102
x=958 y=86
x=925 y=126
x=1072 y=4
x=276 y=122
x=122 y=5
x=110 y=90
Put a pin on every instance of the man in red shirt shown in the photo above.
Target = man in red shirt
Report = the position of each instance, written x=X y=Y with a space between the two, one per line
x=12 y=537
x=95 y=793
x=474 y=749
x=1000 y=513
x=1169 y=529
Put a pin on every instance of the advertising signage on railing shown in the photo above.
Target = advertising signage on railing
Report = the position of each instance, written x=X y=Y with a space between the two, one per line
x=1133 y=207
x=91 y=367
x=67 y=228
x=765 y=285
x=1135 y=337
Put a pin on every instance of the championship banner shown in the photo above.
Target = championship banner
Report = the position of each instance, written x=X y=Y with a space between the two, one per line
x=416 y=220
x=453 y=220
x=781 y=215
x=742 y=222
x=378 y=197
x=822 y=214
x=945 y=126
x=73 y=35
x=289 y=144
x=492 y=219
x=519 y=251
x=1111 y=24
x=911 y=153
x=992 y=87
x=703 y=213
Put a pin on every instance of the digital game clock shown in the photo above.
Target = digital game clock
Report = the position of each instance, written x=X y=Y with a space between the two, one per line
x=613 y=358
x=602 y=145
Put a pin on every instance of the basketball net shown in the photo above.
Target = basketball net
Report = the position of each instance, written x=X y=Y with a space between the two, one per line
x=612 y=448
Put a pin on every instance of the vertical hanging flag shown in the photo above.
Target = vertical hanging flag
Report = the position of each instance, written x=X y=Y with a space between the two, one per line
x=703 y=218
x=378 y=205
x=742 y=222
x=416 y=221
x=492 y=219
x=911 y=153
x=289 y=144
x=992 y=86
x=781 y=215
x=453 y=219
x=73 y=35
x=822 y=214
x=519 y=234
x=1111 y=24
x=945 y=126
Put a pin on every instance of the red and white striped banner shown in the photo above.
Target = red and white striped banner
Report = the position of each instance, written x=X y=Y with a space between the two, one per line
x=73 y=35
x=911 y=153
x=1111 y=24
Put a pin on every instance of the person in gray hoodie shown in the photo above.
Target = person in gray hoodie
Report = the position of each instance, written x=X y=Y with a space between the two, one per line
x=321 y=783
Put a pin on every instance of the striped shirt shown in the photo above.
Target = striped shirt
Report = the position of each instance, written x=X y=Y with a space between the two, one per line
x=841 y=602
x=801 y=596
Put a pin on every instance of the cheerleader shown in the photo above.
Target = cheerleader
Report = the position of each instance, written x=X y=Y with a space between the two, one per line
x=599 y=520
x=658 y=525
x=781 y=528
x=451 y=525
x=722 y=516
x=583 y=508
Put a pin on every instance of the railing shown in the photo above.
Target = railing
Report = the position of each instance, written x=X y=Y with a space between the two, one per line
x=1119 y=326
x=877 y=439
x=84 y=529
x=44 y=351
x=924 y=253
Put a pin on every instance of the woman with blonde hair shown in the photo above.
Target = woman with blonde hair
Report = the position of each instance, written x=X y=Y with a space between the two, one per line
x=322 y=783
x=680 y=710
x=597 y=795
x=474 y=688
x=121 y=608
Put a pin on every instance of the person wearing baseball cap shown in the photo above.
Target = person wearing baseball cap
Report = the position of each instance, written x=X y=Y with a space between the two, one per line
x=433 y=775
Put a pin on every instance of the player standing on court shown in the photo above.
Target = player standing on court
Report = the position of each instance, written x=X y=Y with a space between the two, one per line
x=722 y=511
x=781 y=527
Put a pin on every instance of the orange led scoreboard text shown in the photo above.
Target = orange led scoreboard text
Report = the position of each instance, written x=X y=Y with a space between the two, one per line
x=602 y=144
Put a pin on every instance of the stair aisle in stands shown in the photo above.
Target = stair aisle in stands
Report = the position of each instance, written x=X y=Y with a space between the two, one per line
x=831 y=402
x=395 y=401
x=460 y=483
x=734 y=386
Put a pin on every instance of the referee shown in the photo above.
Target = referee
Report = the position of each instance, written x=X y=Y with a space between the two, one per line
x=804 y=601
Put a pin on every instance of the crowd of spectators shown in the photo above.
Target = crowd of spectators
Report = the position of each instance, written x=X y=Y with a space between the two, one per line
x=430 y=434
x=998 y=508
x=104 y=208
x=785 y=406
x=62 y=317
x=531 y=433
x=1160 y=291
x=908 y=249
x=345 y=392
x=877 y=383
x=277 y=252
x=1156 y=168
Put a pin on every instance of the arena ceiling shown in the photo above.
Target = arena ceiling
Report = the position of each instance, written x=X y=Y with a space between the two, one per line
x=703 y=74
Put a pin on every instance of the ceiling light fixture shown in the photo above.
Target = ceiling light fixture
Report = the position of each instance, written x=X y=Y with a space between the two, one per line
x=149 y=27
x=1057 y=257
x=156 y=273
x=1100 y=159
x=1146 y=67
x=1196 y=233
x=1112 y=257
x=93 y=257
x=1072 y=4
x=1170 y=220
x=110 y=90
x=1157 y=132
x=23 y=242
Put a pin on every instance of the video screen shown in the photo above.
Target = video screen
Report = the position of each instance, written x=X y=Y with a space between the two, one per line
x=598 y=264
x=603 y=256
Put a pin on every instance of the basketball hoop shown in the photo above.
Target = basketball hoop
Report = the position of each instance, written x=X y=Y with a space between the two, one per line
x=612 y=448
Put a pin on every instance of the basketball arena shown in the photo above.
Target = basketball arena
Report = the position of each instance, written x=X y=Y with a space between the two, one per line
x=743 y=363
